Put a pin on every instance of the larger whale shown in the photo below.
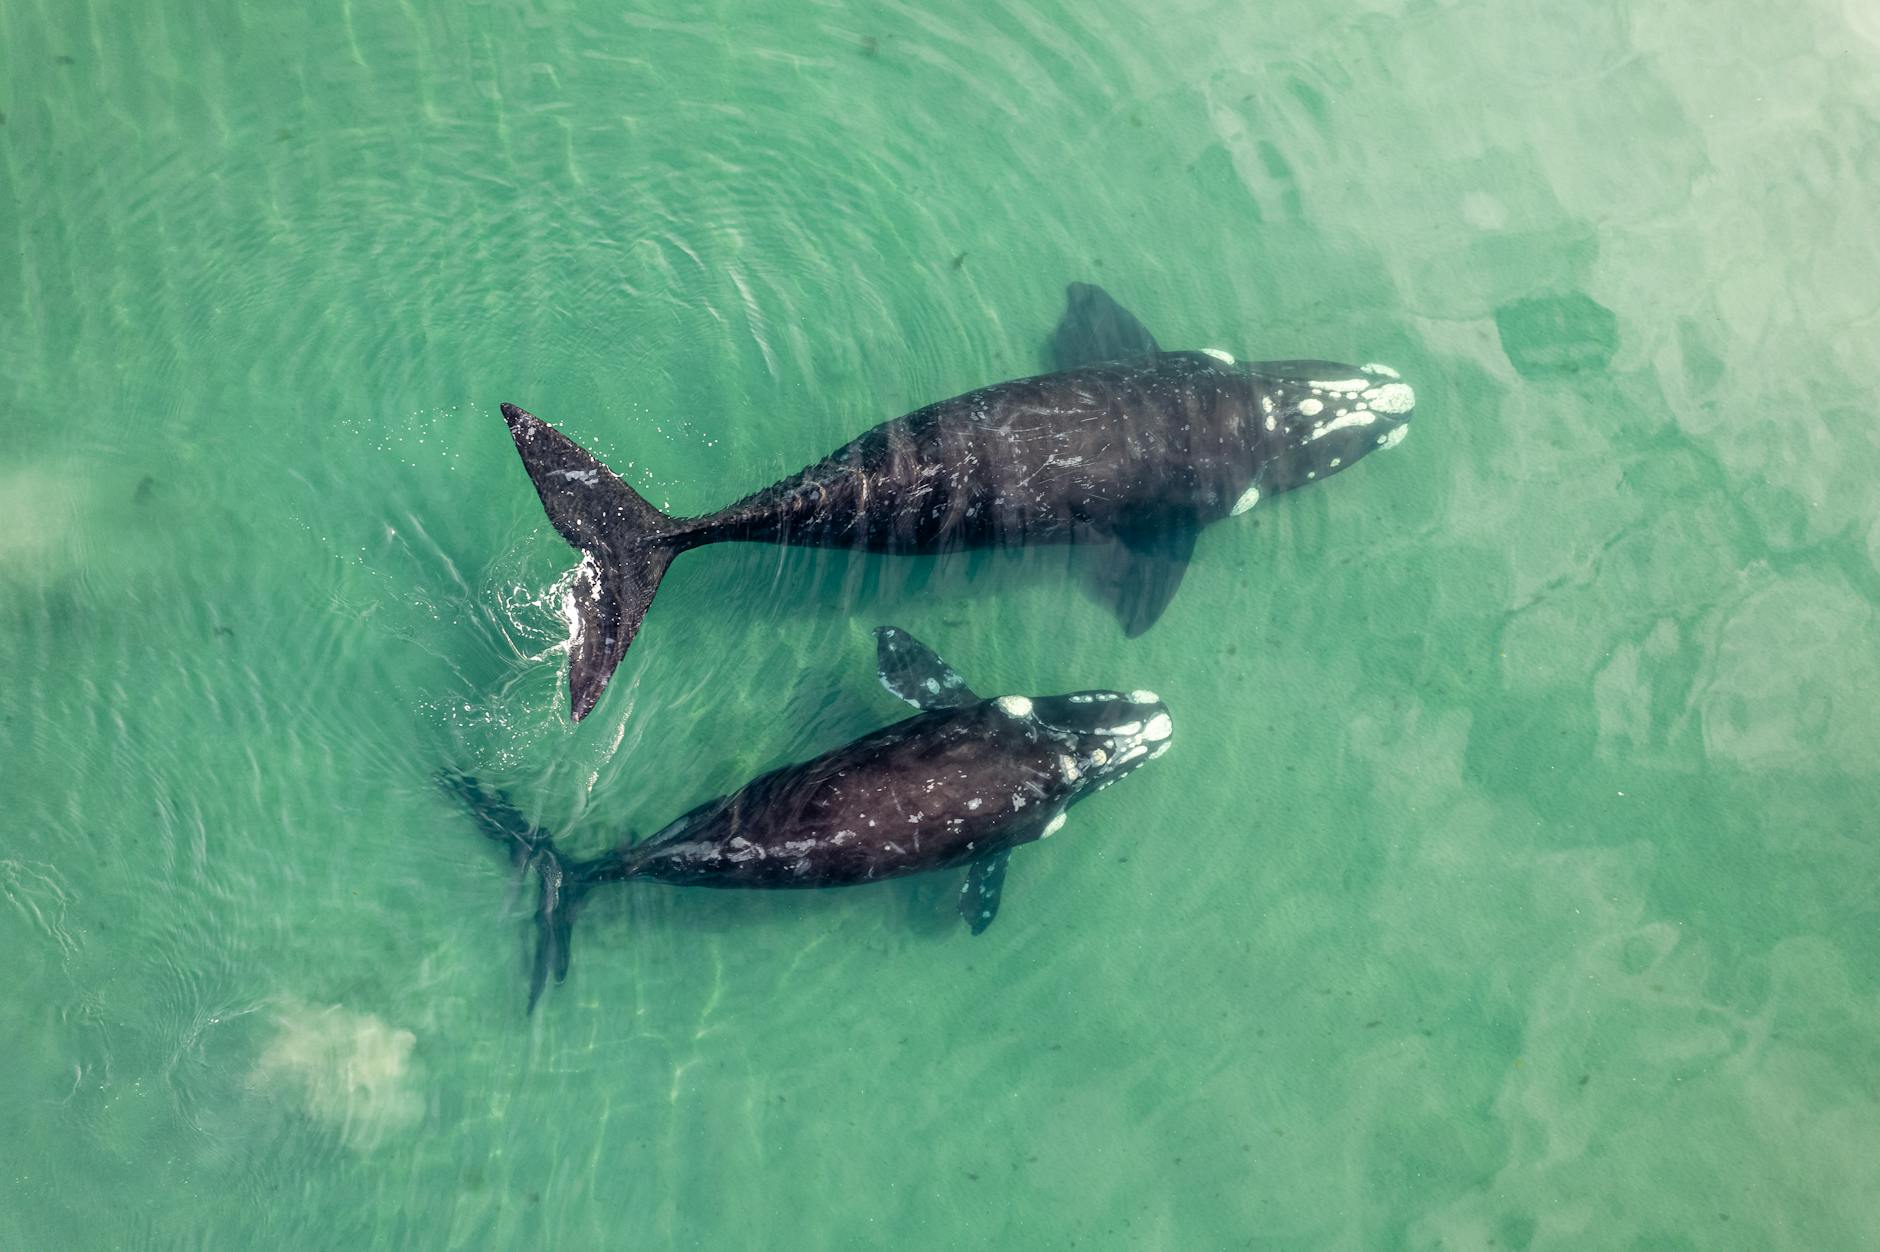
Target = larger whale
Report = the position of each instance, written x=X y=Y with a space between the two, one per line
x=962 y=782
x=1124 y=444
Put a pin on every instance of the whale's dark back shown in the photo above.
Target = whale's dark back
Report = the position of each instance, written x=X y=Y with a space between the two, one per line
x=898 y=801
x=1057 y=458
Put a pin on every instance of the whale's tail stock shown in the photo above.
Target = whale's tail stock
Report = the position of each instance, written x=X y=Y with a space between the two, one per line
x=564 y=885
x=626 y=545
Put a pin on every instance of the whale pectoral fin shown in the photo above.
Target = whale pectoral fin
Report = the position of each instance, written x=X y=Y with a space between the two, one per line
x=911 y=671
x=1096 y=328
x=1144 y=578
x=979 y=898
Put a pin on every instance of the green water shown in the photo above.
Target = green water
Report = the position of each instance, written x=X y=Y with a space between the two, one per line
x=1511 y=884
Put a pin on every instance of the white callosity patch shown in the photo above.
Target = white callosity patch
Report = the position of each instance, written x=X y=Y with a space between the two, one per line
x=350 y=1071
x=1353 y=385
x=1392 y=398
x=1014 y=706
x=1248 y=498
x=1052 y=827
x=1384 y=370
x=1226 y=358
x=1311 y=407
x=1158 y=727
x=1144 y=696
x=1391 y=439
x=1134 y=753
x=1358 y=418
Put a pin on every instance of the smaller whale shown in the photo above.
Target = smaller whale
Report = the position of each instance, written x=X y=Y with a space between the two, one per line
x=1125 y=445
x=962 y=782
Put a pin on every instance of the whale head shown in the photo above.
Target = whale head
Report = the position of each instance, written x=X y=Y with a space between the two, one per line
x=1321 y=417
x=1100 y=735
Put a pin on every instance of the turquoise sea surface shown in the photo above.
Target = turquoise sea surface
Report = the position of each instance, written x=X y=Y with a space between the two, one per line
x=1513 y=881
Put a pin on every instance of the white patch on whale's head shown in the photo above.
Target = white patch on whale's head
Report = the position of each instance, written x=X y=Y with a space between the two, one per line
x=1317 y=418
x=1248 y=498
x=1391 y=398
x=1225 y=358
x=1100 y=735
x=1014 y=706
x=1053 y=826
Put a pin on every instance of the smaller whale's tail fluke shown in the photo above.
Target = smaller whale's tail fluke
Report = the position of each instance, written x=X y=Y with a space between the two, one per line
x=563 y=890
x=564 y=885
x=626 y=544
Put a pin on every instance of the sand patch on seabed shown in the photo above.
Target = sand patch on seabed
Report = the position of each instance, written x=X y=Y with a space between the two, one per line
x=350 y=1071
x=37 y=509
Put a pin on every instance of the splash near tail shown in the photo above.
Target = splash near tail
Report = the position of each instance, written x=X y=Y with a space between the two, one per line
x=563 y=883
x=626 y=545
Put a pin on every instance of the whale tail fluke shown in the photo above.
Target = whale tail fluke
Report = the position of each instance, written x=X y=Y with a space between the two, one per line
x=563 y=890
x=626 y=545
x=564 y=885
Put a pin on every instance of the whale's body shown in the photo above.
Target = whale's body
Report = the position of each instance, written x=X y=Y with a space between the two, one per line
x=1131 y=446
x=962 y=782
